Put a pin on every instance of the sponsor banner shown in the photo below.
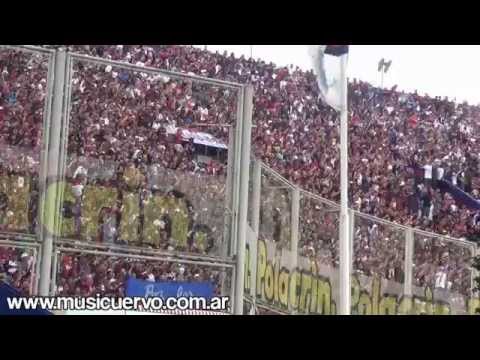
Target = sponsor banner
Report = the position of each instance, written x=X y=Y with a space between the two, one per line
x=310 y=288
x=141 y=288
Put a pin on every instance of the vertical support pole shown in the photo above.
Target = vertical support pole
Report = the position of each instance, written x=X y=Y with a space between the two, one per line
x=53 y=286
x=352 y=237
x=37 y=271
x=63 y=155
x=474 y=272
x=33 y=278
x=50 y=204
x=229 y=221
x=409 y=249
x=236 y=170
x=294 y=238
x=243 y=198
x=256 y=194
x=42 y=178
x=232 y=289
x=227 y=238
x=345 y=255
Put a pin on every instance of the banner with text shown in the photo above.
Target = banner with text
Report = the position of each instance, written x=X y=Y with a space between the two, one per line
x=141 y=288
x=297 y=284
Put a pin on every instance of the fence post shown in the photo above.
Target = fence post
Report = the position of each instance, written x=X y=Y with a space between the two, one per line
x=242 y=203
x=352 y=240
x=53 y=286
x=37 y=271
x=227 y=242
x=227 y=238
x=256 y=200
x=50 y=204
x=475 y=273
x=233 y=169
x=294 y=239
x=409 y=250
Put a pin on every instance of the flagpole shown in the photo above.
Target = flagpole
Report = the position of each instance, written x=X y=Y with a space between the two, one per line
x=345 y=252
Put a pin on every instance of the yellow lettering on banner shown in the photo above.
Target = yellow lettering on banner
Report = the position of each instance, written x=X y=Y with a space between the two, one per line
x=283 y=280
x=269 y=281
x=68 y=224
x=200 y=240
x=355 y=294
x=419 y=307
x=324 y=297
x=17 y=189
x=305 y=291
x=428 y=303
x=130 y=218
x=261 y=267
x=364 y=304
x=313 y=302
x=154 y=207
x=405 y=307
x=180 y=220
x=179 y=216
x=133 y=177
x=96 y=198
x=276 y=274
x=473 y=306
x=388 y=305
x=441 y=309
x=294 y=291
x=375 y=295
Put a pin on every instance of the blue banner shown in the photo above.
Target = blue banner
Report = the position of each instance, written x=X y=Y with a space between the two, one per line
x=458 y=194
x=8 y=291
x=141 y=288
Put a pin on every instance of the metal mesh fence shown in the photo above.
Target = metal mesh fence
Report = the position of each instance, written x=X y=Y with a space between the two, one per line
x=395 y=269
x=86 y=272
x=275 y=210
x=19 y=266
x=146 y=158
x=23 y=107
x=443 y=272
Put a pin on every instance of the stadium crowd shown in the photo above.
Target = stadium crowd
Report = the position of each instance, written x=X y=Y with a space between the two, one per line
x=132 y=120
x=17 y=268
x=89 y=275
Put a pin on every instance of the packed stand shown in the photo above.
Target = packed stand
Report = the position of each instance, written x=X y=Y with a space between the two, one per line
x=17 y=268
x=89 y=275
x=23 y=83
x=124 y=118
x=296 y=135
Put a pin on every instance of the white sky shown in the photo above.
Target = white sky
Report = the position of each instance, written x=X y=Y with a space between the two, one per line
x=438 y=70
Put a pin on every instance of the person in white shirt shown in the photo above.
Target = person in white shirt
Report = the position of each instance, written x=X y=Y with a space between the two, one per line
x=428 y=174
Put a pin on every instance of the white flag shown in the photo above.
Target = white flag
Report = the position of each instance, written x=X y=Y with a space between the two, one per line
x=327 y=66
